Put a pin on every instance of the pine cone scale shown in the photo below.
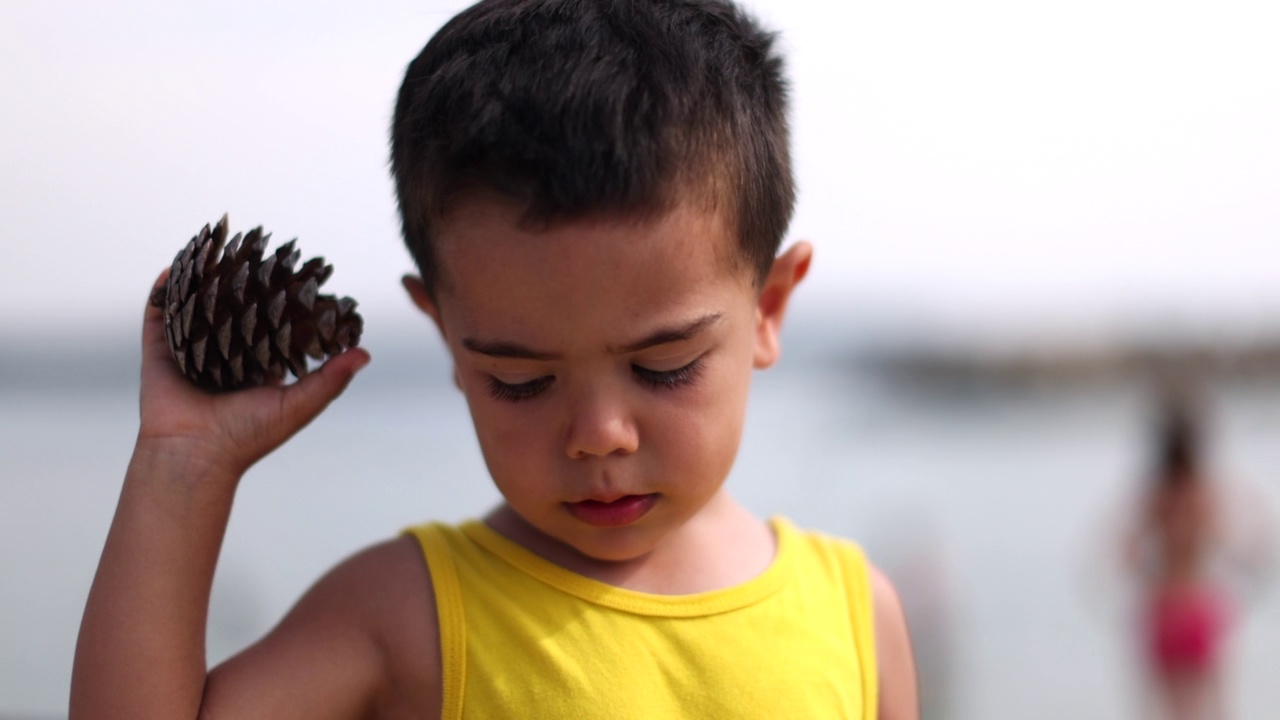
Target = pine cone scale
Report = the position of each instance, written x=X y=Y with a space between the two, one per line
x=275 y=310
x=229 y=253
x=224 y=338
x=188 y=313
x=307 y=294
x=211 y=300
x=283 y=335
x=328 y=321
x=197 y=353
x=239 y=282
x=264 y=271
x=248 y=323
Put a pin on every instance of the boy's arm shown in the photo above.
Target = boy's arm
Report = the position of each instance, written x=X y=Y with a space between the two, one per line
x=141 y=649
x=896 y=666
x=343 y=651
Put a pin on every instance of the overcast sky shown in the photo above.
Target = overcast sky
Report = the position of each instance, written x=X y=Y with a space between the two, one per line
x=978 y=163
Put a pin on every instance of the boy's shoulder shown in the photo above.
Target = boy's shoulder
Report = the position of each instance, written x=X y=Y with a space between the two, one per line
x=372 y=619
x=894 y=659
x=385 y=592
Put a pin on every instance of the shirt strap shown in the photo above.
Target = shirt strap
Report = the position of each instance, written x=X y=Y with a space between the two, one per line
x=451 y=619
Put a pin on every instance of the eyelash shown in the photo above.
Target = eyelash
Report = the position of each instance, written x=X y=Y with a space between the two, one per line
x=668 y=379
x=519 y=391
x=657 y=379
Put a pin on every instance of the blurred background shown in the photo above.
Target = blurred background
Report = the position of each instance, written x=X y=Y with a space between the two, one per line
x=1024 y=214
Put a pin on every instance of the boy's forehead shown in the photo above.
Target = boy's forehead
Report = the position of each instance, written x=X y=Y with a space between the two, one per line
x=491 y=229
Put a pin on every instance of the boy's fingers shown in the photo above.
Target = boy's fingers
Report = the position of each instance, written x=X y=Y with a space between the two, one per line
x=164 y=275
x=305 y=399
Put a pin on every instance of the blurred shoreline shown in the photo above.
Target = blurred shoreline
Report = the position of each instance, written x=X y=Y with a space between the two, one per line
x=899 y=353
x=1067 y=363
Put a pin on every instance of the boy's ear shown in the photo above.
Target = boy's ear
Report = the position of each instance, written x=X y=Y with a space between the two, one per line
x=422 y=298
x=418 y=294
x=788 y=270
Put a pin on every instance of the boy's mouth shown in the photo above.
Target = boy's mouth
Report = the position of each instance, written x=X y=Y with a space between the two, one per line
x=615 y=513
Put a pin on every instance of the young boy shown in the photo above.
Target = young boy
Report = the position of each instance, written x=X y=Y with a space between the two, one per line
x=594 y=192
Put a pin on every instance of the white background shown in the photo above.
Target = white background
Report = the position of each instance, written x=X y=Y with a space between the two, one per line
x=984 y=165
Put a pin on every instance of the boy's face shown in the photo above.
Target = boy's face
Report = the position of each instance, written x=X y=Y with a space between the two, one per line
x=606 y=364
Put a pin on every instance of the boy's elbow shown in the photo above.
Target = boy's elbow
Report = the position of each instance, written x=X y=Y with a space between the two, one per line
x=896 y=667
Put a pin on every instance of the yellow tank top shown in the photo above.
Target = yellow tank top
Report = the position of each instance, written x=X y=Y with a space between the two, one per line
x=522 y=637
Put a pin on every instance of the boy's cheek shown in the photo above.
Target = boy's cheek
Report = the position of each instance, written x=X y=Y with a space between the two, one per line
x=710 y=416
x=512 y=432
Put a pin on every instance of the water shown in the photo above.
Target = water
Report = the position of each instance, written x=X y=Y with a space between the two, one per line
x=983 y=503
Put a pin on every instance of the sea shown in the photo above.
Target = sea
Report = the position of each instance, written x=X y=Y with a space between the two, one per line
x=995 y=507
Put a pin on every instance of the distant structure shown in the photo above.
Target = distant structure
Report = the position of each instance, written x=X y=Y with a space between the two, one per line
x=1068 y=363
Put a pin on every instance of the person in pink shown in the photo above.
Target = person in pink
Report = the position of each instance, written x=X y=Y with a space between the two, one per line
x=1183 y=553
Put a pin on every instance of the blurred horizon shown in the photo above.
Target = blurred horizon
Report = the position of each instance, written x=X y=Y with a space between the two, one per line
x=103 y=362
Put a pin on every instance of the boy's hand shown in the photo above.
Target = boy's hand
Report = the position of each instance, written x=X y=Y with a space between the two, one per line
x=228 y=431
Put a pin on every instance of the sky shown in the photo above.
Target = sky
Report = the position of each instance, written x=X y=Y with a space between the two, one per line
x=984 y=166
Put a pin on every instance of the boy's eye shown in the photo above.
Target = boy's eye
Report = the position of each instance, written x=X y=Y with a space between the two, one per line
x=668 y=379
x=660 y=379
x=518 y=391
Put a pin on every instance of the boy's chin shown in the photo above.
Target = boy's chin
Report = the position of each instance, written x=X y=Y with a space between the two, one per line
x=608 y=545
x=574 y=542
x=613 y=553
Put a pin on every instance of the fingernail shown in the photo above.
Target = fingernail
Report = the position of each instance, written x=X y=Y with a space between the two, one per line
x=362 y=358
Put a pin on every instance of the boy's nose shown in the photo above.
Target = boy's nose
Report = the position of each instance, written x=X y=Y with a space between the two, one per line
x=601 y=426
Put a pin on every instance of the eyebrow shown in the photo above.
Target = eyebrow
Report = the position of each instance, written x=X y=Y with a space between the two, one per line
x=671 y=334
x=503 y=349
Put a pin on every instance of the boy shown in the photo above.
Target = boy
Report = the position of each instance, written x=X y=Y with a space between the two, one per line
x=594 y=192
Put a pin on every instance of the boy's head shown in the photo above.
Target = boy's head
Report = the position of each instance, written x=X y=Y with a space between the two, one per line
x=580 y=108
x=595 y=192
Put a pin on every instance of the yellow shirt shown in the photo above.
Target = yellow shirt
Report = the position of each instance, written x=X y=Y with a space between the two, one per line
x=522 y=637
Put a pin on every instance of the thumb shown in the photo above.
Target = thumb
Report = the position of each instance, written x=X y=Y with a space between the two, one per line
x=307 y=398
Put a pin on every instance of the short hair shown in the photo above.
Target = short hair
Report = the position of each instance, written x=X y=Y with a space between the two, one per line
x=575 y=108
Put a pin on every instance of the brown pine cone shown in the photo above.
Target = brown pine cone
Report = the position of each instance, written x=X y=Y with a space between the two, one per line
x=241 y=319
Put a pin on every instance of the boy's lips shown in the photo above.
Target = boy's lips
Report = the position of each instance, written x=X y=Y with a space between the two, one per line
x=614 y=513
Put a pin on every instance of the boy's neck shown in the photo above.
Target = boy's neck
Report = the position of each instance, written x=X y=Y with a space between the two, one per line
x=722 y=546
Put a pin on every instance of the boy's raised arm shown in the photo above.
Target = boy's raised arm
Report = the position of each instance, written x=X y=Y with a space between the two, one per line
x=141 y=650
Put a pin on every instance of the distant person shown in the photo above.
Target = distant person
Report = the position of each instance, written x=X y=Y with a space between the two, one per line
x=1187 y=559
x=595 y=193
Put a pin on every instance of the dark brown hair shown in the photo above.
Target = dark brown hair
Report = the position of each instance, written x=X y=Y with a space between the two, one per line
x=575 y=108
x=1178 y=440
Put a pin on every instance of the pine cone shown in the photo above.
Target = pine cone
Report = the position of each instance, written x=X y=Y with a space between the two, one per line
x=243 y=320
